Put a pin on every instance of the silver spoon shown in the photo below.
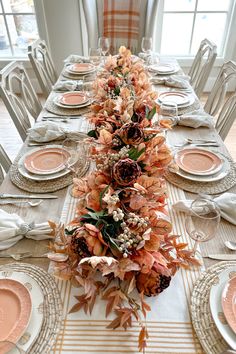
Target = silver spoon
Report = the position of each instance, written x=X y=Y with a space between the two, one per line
x=231 y=245
x=28 y=202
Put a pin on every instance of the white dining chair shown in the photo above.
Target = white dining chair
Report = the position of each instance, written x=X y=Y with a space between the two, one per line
x=202 y=65
x=19 y=97
x=43 y=66
x=5 y=163
x=217 y=105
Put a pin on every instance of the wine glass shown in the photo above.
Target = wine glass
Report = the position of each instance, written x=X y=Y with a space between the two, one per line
x=104 y=45
x=95 y=56
x=168 y=115
x=10 y=347
x=202 y=221
x=146 y=45
x=78 y=151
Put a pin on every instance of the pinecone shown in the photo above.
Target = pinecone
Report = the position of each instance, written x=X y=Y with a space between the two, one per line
x=79 y=246
x=152 y=283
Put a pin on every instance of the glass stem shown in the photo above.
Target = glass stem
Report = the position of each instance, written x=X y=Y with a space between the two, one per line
x=195 y=246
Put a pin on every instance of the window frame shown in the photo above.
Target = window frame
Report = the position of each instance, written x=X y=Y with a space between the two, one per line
x=229 y=38
x=42 y=30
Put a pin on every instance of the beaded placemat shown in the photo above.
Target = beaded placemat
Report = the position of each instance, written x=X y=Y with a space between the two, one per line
x=203 y=323
x=205 y=187
x=45 y=186
x=52 y=307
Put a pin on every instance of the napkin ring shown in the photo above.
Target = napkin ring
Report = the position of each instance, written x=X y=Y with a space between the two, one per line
x=25 y=228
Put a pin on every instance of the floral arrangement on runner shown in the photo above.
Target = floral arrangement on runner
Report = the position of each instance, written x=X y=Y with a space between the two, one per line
x=121 y=229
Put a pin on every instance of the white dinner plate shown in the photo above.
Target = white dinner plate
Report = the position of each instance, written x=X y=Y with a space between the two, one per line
x=182 y=99
x=216 y=307
x=36 y=319
x=212 y=178
x=163 y=69
x=23 y=171
x=57 y=102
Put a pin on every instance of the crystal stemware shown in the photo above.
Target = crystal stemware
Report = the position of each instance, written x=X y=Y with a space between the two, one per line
x=146 y=45
x=167 y=116
x=202 y=221
x=104 y=46
x=95 y=56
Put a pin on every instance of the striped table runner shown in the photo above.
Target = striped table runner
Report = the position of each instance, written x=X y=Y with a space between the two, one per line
x=169 y=323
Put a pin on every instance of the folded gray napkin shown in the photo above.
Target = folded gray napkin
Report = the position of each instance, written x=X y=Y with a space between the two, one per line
x=196 y=119
x=13 y=229
x=172 y=81
x=73 y=58
x=68 y=85
x=226 y=203
x=43 y=132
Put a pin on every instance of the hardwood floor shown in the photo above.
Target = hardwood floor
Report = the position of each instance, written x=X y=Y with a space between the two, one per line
x=11 y=141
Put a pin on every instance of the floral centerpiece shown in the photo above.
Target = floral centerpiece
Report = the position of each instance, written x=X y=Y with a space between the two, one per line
x=121 y=229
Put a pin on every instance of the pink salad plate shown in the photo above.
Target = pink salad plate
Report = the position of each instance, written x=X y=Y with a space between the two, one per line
x=81 y=67
x=15 y=312
x=228 y=301
x=46 y=161
x=73 y=98
x=198 y=161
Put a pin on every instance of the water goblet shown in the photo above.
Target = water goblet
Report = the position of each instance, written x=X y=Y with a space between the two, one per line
x=104 y=45
x=202 y=221
x=167 y=116
x=95 y=57
x=7 y=347
x=146 y=45
x=78 y=151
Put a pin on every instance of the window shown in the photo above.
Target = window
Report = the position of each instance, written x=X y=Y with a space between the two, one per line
x=185 y=23
x=18 y=27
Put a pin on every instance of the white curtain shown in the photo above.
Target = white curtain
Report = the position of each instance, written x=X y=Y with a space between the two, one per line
x=91 y=12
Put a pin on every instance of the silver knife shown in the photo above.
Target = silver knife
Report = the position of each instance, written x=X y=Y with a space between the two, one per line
x=222 y=257
x=28 y=196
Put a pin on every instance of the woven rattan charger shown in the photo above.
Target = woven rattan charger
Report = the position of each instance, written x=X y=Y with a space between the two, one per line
x=203 y=323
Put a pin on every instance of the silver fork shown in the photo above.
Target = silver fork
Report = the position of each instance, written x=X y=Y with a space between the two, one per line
x=22 y=255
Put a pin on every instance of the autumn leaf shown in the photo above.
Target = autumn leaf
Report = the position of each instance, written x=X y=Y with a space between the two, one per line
x=143 y=336
x=95 y=261
x=105 y=137
x=80 y=186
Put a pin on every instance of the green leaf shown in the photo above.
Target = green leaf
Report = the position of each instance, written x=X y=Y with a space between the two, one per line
x=102 y=194
x=92 y=133
x=117 y=91
x=134 y=153
x=151 y=113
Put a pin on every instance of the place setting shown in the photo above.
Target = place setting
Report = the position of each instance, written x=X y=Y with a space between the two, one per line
x=71 y=103
x=213 y=307
x=202 y=170
x=34 y=319
x=49 y=168
x=78 y=70
x=183 y=100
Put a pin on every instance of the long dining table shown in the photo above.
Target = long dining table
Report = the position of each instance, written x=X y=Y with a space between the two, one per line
x=169 y=323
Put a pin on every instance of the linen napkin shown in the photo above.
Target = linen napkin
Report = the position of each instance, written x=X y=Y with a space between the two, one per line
x=73 y=58
x=196 y=119
x=172 y=81
x=226 y=202
x=68 y=85
x=43 y=132
x=13 y=229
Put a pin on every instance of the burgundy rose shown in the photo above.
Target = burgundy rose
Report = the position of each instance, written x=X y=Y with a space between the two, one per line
x=131 y=134
x=125 y=172
x=153 y=283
